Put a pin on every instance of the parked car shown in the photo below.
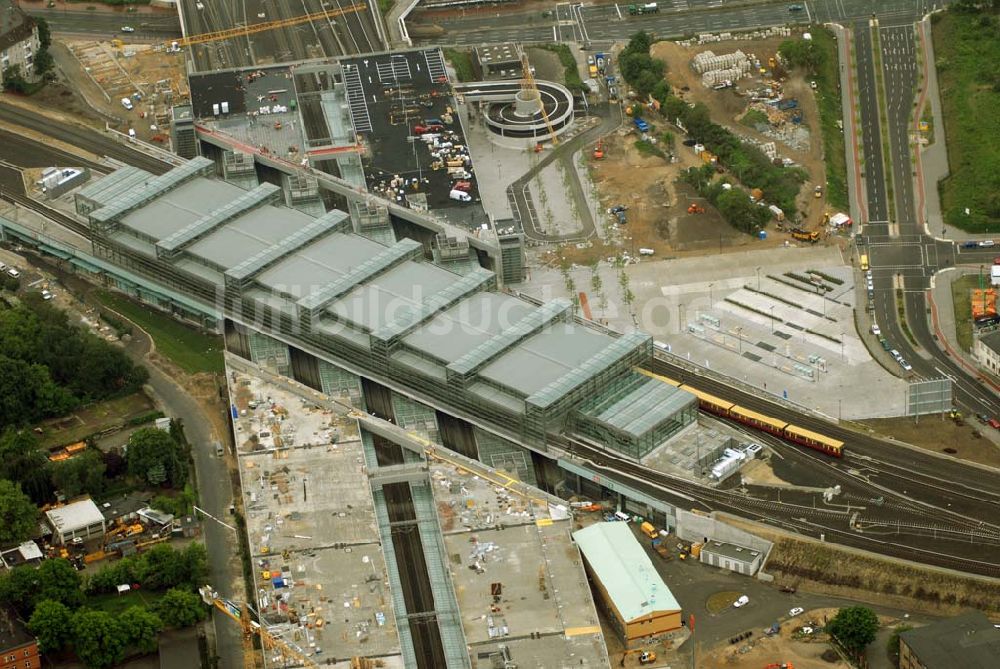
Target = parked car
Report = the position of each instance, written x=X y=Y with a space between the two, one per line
x=128 y=29
x=796 y=611
x=14 y=272
x=969 y=245
x=994 y=423
x=905 y=365
x=876 y=330
x=743 y=600
x=986 y=243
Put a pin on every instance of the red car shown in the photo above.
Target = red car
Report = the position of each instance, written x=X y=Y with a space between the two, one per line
x=996 y=261
x=423 y=129
x=994 y=423
x=464 y=186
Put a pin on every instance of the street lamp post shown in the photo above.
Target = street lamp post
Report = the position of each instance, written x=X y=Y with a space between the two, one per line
x=758 y=279
x=711 y=299
x=772 y=319
x=739 y=339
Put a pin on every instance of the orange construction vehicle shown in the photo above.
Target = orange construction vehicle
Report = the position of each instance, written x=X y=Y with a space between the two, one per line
x=695 y=208
x=645 y=656
x=780 y=665
x=599 y=150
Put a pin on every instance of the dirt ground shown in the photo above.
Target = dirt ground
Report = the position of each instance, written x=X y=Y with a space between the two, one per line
x=727 y=108
x=804 y=652
x=933 y=434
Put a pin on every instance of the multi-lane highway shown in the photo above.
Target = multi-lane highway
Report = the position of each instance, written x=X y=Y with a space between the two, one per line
x=339 y=30
x=609 y=22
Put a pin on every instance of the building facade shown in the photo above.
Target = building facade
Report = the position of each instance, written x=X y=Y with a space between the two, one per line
x=639 y=604
x=18 y=40
x=80 y=520
x=738 y=559
x=969 y=641
x=986 y=350
x=18 y=649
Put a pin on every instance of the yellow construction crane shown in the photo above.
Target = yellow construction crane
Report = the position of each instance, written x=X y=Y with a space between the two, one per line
x=229 y=33
x=268 y=641
x=528 y=84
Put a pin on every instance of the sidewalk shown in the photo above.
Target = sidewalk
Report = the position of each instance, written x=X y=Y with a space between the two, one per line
x=932 y=160
x=856 y=195
x=943 y=321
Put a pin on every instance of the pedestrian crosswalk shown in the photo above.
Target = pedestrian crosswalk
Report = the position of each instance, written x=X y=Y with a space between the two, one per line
x=435 y=65
x=356 y=102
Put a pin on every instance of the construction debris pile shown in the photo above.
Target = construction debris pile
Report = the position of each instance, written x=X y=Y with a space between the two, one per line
x=710 y=38
x=722 y=70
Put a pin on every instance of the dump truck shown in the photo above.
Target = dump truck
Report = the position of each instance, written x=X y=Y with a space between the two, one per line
x=804 y=236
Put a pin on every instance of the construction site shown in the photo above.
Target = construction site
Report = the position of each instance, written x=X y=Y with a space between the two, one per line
x=328 y=581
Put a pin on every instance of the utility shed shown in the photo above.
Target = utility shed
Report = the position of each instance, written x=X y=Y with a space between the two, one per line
x=639 y=603
x=81 y=519
x=735 y=558
x=968 y=641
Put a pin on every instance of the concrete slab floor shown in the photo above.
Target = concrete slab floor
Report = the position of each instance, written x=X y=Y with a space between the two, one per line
x=319 y=572
x=518 y=577
x=670 y=294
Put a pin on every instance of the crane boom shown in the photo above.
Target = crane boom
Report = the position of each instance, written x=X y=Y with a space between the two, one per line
x=229 y=33
x=528 y=84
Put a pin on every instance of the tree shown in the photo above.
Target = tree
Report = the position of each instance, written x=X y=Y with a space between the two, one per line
x=854 y=627
x=27 y=393
x=50 y=623
x=140 y=628
x=60 y=582
x=13 y=80
x=98 y=639
x=81 y=474
x=44 y=33
x=44 y=63
x=180 y=608
x=153 y=453
x=18 y=515
x=22 y=461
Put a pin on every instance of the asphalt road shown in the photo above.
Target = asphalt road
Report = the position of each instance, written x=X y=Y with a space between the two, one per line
x=609 y=22
x=344 y=34
x=902 y=257
x=163 y=26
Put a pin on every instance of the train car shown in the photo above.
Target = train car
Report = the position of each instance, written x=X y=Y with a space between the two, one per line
x=758 y=420
x=815 y=440
x=710 y=403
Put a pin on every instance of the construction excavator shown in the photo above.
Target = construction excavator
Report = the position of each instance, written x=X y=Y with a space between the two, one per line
x=599 y=150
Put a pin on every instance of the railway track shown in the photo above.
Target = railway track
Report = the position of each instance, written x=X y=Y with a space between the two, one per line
x=52 y=214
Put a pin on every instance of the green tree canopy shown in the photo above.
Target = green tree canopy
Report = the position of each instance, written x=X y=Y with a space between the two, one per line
x=854 y=627
x=50 y=623
x=60 y=582
x=156 y=457
x=22 y=460
x=81 y=474
x=802 y=53
x=140 y=628
x=18 y=514
x=180 y=608
x=98 y=639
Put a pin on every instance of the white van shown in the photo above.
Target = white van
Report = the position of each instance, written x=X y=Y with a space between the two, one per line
x=127 y=104
x=646 y=252
x=459 y=195
x=622 y=516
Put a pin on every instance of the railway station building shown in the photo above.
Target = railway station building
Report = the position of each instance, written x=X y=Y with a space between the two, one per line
x=348 y=315
x=639 y=604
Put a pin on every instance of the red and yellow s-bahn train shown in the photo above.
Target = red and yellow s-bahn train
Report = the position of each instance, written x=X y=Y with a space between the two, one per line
x=758 y=421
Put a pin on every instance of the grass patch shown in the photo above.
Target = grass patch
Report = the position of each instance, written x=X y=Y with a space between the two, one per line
x=962 y=304
x=96 y=418
x=191 y=350
x=795 y=561
x=967 y=50
x=570 y=70
x=385 y=5
x=901 y=311
x=754 y=118
x=460 y=60
x=116 y=604
x=647 y=148
x=828 y=101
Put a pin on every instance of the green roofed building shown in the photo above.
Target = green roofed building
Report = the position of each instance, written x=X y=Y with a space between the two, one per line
x=639 y=603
